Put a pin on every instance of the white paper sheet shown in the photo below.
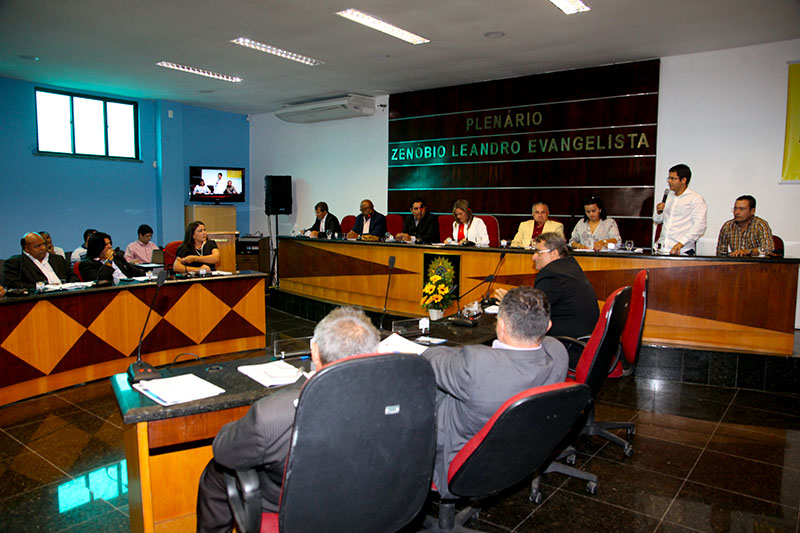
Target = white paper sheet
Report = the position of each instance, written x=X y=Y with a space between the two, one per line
x=177 y=389
x=272 y=374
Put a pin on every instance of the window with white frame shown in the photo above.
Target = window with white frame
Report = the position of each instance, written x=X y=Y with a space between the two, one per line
x=75 y=124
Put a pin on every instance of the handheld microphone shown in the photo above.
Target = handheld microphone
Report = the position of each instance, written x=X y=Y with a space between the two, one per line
x=487 y=300
x=140 y=369
x=458 y=319
x=664 y=198
x=388 y=281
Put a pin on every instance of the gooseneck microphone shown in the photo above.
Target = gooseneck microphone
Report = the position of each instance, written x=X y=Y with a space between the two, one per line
x=140 y=369
x=386 y=297
x=487 y=300
x=458 y=319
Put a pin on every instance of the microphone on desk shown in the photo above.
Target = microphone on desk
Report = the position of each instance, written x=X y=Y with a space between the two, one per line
x=459 y=319
x=388 y=281
x=140 y=369
x=488 y=300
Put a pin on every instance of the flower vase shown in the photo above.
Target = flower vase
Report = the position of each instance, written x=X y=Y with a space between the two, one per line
x=436 y=314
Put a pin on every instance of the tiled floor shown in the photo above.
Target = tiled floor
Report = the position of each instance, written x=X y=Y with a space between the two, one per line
x=707 y=459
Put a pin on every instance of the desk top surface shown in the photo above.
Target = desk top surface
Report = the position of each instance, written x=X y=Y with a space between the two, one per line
x=621 y=254
x=31 y=295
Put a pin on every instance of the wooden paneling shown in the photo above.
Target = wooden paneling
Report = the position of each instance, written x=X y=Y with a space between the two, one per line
x=556 y=137
x=716 y=303
x=215 y=217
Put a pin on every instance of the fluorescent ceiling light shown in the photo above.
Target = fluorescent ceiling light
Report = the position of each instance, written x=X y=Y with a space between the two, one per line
x=385 y=27
x=570 y=6
x=255 y=45
x=199 y=71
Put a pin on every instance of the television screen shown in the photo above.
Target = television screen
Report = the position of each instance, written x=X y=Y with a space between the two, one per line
x=216 y=184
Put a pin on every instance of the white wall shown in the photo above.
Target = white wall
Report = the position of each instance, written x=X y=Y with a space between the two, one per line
x=723 y=113
x=340 y=162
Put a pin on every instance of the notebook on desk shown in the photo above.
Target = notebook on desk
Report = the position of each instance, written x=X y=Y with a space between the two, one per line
x=158 y=257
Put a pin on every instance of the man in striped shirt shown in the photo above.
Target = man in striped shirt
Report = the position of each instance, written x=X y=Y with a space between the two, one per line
x=746 y=233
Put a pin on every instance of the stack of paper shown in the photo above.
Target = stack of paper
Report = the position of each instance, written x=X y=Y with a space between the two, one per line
x=178 y=389
x=394 y=343
x=272 y=374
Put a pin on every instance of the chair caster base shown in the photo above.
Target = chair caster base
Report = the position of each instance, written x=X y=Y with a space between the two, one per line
x=591 y=487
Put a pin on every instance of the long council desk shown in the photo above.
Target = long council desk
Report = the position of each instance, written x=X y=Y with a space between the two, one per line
x=715 y=303
x=56 y=340
x=166 y=448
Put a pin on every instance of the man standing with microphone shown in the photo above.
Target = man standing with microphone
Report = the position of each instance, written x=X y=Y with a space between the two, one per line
x=683 y=214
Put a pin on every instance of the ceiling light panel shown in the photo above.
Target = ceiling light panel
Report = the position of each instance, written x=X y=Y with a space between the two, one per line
x=274 y=50
x=199 y=71
x=570 y=6
x=377 y=24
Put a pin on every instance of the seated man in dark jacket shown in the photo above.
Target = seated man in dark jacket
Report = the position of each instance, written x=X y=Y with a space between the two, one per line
x=420 y=226
x=104 y=263
x=374 y=222
x=35 y=264
x=325 y=221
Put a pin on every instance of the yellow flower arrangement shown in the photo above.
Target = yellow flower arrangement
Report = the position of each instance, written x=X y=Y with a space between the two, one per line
x=437 y=293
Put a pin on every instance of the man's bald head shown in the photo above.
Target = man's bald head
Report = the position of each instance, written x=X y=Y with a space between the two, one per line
x=34 y=244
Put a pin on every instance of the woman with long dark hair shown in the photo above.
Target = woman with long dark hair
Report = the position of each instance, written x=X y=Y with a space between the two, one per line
x=197 y=251
x=595 y=230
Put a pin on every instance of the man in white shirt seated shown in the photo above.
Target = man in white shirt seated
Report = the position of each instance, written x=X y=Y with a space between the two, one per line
x=141 y=250
x=35 y=265
x=683 y=215
x=80 y=252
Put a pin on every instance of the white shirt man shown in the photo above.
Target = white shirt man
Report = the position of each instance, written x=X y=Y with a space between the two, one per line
x=683 y=215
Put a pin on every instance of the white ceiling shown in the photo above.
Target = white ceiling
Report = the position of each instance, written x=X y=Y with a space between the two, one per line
x=111 y=46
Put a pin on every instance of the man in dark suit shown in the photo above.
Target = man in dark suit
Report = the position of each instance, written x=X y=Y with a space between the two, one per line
x=261 y=438
x=374 y=222
x=420 y=226
x=35 y=264
x=475 y=380
x=325 y=221
x=103 y=263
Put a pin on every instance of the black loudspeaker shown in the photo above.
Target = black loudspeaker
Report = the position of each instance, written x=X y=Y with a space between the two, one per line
x=277 y=195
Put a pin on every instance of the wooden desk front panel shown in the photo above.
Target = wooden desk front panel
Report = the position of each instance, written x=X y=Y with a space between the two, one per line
x=54 y=342
x=715 y=303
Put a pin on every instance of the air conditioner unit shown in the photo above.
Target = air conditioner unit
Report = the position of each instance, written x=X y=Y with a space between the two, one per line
x=350 y=106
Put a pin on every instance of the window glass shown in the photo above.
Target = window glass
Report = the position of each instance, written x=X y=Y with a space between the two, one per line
x=121 y=129
x=90 y=128
x=53 y=122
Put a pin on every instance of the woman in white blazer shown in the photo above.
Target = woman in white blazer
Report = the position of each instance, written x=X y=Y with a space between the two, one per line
x=467 y=227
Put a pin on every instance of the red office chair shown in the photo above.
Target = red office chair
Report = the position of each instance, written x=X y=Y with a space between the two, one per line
x=631 y=341
x=592 y=370
x=514 y=443
x=394 y=224
x=777 y=250
x=362 y=450
x=170 y=253
x=347 y=223
x=445 y=227
x=77 y=271
x=492 y=228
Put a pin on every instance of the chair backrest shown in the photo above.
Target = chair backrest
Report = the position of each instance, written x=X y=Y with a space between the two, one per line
x=347 y=223
x=77 y=271
x=777 y=244
x=596 y=357
x=445 y=227
x=492 y=228
x=394 y=224
x=363 y=444
x=631 y=339
x=517 y=440
x=170 y=252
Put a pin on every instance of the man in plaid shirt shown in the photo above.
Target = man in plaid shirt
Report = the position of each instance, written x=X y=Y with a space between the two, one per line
x=745 y=233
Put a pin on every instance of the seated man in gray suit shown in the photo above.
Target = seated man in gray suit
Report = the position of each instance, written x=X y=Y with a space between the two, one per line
x=474 y=381
x=261 y=438
x=35 y=264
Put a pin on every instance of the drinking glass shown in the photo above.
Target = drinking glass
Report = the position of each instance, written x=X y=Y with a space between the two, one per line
x=762 y=251
x=629 y=245
x=328 y=233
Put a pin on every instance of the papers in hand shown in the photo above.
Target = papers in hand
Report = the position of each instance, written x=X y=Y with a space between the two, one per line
x=394 y=343
x=178 y=389
x=272 y=374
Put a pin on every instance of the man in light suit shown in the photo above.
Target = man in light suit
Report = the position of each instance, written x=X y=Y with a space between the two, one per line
x=540 y=223
x=474 y=381
x=261 y=438
x=35 y=264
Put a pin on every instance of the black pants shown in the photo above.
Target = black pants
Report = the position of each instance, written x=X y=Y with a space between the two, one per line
x=213 y=511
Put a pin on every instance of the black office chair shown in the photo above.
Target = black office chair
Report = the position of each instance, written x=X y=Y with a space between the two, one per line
x=513 y=444
x=362 y=451
x=592 y=370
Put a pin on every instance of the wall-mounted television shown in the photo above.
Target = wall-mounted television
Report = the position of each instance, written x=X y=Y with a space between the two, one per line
x=216 y=184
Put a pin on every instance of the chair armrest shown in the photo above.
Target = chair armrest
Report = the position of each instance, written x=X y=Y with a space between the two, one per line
x=244 y=496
